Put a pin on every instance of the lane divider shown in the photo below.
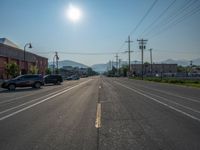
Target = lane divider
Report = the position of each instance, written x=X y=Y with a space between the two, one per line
x=156 y=100
x=39 y=102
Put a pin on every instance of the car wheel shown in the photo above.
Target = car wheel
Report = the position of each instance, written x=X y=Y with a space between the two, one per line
x=11 y=87
x=37 y=85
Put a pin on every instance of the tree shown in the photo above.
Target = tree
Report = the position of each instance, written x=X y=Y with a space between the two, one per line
x=33 y=69
x=48 y=71
x=146 y=63
x=57 y=71
x=12 y=69
x=125 y=70
x=91 y=72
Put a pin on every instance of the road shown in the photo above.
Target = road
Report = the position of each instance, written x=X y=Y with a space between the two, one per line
x=100 y=113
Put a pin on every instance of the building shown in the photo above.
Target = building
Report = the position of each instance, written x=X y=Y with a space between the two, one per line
x=10 y=52
x=67 y=71
x=155 y=69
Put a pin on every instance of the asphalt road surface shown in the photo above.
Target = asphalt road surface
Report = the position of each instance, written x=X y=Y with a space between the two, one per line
x=100 y=113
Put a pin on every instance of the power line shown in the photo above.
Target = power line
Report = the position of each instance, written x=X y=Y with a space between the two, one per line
x=146 y=14
x=157 y=18
x=140 y=22
x=178 y=21
x=181 y=12
x=171 y=16
x=79 y=53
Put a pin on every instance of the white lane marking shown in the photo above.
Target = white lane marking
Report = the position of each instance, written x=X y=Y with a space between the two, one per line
x=170 y=101
x=31 y=101
x=178 y=110
x=169 y=93
x=99 y=87
x=13 y=99
x=98 y=116
x=187 y=98
x=30 y=106
x=16 y=98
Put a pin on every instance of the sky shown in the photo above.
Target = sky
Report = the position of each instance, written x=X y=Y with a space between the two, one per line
x=171 y=27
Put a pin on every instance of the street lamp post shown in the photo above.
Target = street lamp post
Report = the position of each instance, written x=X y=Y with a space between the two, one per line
x=57 y=58
x=30 y=46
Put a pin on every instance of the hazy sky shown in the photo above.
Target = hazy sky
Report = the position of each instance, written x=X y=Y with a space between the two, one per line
x=172 y=28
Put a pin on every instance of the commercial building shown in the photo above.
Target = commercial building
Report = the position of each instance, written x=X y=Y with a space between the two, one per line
x=67 y=71
x=10 y=52
x=154 y=69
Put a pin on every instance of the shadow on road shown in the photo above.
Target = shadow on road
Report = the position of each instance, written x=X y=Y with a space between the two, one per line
x=18 y=90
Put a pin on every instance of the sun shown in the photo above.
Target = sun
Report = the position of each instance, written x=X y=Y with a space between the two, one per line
x=74 y=13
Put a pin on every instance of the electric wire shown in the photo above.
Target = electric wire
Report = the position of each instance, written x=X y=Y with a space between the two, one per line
x=140 y=22
x=173 y=17
x=178 y=21
x=146 y=14
x=159 y=17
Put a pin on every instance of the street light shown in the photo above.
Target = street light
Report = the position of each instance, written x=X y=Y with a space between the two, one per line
x=57 y=58
x=30 y=46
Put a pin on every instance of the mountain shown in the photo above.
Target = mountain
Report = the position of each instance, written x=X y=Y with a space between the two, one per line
x=69 y=63
x=182 y=62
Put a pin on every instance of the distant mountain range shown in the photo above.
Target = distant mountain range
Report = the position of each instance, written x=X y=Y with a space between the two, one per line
x=182 y=62
x=103 y=67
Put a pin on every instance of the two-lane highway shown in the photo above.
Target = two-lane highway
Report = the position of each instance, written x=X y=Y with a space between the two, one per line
x=101 y=113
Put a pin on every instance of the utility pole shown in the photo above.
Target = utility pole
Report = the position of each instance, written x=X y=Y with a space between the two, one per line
x=117 y=61
x=110 y=65
x=142 y=46
x=129 y=53
x=120 y=63
x=191 y=63
x=57 y=58
x=119 y=66
x=151 y=66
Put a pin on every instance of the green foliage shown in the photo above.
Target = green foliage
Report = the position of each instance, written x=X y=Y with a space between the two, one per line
x=146 y=63
x=186 y=82
x=91 y=72
x=125 y=70
x=12 y=69
x=57 y=71
x=33 y=69
x=48 y=71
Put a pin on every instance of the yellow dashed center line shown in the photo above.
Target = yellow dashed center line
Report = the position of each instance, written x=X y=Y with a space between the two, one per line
x=98 y=116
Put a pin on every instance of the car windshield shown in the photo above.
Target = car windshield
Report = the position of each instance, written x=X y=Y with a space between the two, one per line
x=46 y=76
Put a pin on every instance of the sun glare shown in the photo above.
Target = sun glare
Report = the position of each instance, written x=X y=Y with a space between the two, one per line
x=74 y=13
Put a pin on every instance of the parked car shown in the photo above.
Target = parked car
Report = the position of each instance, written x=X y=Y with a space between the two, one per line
x=55 y=79
x=34 y=81
x=73 y=77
